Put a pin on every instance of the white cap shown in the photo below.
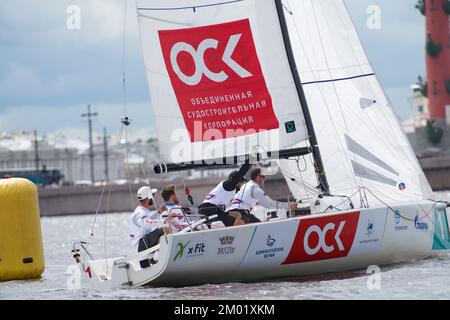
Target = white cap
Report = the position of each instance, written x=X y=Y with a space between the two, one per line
x=146 y=193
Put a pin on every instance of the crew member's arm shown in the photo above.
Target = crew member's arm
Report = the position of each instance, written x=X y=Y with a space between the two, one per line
x=266 y=201
x=150 y=223
x=231 y=184
x=164 y=212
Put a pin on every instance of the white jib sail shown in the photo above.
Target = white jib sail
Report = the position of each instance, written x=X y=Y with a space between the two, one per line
x=219 y=78
x=361 y=141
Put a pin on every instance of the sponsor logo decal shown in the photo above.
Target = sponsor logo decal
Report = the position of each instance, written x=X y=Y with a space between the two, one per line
x=370 y=231
x=197 y=249
x=271 y=250
x=423 y=226
x=217 y=79
x=226 y=247
x=290 y=127
x=323 y=238
x=398 y=220
x=180 y=252
x=270 y=241
x=397 y=217
x=402 y=186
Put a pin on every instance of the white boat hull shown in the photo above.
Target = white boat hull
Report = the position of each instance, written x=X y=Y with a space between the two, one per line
x=309 y=245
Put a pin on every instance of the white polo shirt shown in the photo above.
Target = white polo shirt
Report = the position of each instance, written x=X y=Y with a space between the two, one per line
x=220 y=197
x=250 y=195
x=142 y=222
x=177 y=223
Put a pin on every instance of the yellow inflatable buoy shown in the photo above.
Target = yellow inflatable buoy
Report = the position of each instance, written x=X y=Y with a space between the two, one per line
x=21 y=247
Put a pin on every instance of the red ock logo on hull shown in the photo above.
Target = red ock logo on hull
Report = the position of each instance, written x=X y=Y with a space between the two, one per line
x=217 y=79
x=323 y=238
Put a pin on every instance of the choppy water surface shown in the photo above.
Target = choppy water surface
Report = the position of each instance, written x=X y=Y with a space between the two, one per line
x=428 y=279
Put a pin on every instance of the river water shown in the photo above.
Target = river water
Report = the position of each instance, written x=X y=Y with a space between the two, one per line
x=427 y=279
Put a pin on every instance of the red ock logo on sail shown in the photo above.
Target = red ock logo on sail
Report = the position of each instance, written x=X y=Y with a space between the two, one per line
x=323 y=238
x=218 y=81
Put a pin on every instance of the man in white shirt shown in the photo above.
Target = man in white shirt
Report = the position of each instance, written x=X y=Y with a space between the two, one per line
x=146 y=226
x=171 y=211
x=252 y=194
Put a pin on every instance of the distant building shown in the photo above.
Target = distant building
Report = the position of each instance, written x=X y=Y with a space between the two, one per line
x=419 y=108
x=418 y=129
x=132 y=162
x=71 y=157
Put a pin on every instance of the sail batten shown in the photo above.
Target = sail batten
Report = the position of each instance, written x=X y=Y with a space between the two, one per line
x=339 y=79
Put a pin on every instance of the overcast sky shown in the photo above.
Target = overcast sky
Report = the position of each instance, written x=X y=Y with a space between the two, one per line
x=49 y=73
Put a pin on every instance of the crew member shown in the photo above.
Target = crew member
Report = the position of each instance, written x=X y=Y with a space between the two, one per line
x=220 y=198
x=171 y=211
x=146 y=226
x=251 y=194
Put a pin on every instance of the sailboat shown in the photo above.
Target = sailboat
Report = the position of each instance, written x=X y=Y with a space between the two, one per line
x=286 y=83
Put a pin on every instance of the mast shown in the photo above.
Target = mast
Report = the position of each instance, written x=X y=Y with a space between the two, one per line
x=318 y=164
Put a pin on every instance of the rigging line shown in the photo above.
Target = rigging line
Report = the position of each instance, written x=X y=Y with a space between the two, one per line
x=298 y=164
x=288 y=7
x=305 y=185
x=368 y=126
x=393 y=199
x=333 y=84
x=107 y=204
x=119 y=139
x=125 y=100
x=349 y=198
x=107 y=183
x=427 y=214
x=397 y=211
x=127 y=167
x=140 y=15
x=362 y=61
x=91 y=233
x=339 y=142
x=124 y=84
x=413 y=159
x=190 y=7
x=184 y=185
x=308 y=193
x=142 y=165
x=301 y=175
x=105 y=229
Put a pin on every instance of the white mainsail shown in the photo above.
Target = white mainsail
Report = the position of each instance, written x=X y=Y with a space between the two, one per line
x=361 y=141
x=218 y=66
